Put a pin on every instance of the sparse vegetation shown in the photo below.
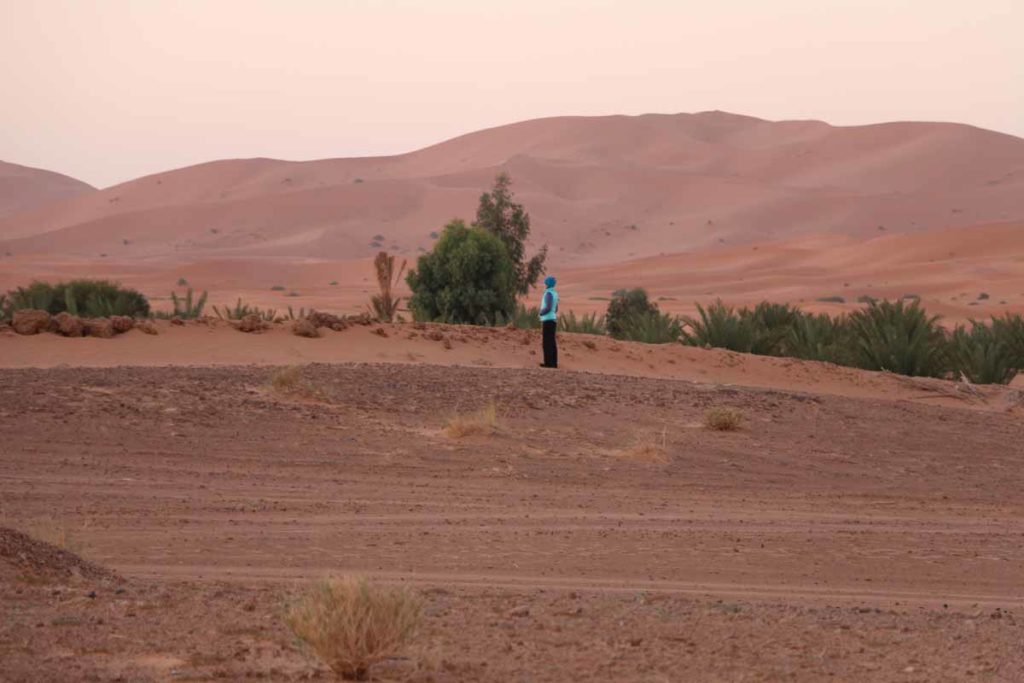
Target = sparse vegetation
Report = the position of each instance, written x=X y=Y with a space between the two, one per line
x=590 y=323
x=522 y=318
x=242 y=309
x=626 y=307
x=351 y=624
x=483 y=421
x=723 y=419
x=832 y=300
x=384 y=305
x=718 y=326
x=289 y=381
x=652 y=327
x=278 y=288
x=182 y=282
x=188 y=308
x=896 y=336
x=649 y=447
x=89 y=298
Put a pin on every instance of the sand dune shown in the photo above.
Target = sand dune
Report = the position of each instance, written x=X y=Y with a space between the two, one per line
x=600 y=189
x=691 y=207
x=23 y=188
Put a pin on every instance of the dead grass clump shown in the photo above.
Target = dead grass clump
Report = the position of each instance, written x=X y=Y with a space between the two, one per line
x=723 y=419
x=649 y=448
x=351 y=625
x=290 y=382
x=483 y=421
x=384 y=306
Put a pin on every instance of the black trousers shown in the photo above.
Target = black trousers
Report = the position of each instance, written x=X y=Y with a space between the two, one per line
x=550 y=345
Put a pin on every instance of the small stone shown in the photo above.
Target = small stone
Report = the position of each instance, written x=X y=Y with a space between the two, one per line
x=30 y=321
x=520 y=611
x=68 y=325
x=146 y=326
x=122 y=323
x=99 y=327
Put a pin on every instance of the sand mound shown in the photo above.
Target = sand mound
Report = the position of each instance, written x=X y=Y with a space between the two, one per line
x=23 y=188
x=600 y=190
x=23 y=554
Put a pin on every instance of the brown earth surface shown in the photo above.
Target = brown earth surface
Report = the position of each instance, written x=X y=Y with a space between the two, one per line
x=836 y=536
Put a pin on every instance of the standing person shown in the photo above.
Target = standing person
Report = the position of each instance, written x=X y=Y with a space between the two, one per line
x=549 y=322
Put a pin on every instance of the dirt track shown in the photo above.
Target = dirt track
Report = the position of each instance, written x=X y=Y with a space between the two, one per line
x=831 y=537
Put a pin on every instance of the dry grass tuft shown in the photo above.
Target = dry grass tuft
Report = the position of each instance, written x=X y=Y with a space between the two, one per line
x=723 y=419
x=483 y=421
x=290 y=382
x=384 y=306
x=649 y=448
x=351 y=625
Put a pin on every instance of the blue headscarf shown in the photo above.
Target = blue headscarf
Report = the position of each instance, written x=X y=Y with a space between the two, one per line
x=549 y=281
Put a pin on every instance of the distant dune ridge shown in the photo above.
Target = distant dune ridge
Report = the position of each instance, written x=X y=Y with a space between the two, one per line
x=23 y=188
x=600 y=190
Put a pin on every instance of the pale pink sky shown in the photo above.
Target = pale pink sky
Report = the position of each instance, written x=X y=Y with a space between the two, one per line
x=109 y=90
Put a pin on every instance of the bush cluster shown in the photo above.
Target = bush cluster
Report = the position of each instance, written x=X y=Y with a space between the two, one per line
x=86 y=298
x=633 y=317
x=898 y=336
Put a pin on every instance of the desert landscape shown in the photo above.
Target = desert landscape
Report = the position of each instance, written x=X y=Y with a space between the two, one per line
x=653 y=512
x=690 y=206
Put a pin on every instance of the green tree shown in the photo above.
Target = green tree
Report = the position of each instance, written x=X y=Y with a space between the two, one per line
x=627 y=305
x=508 y=220
x=467 y=278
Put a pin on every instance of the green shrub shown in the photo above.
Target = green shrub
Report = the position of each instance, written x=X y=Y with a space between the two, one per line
x=718 y=326
x=899 y=338
x=1009 y=329
x=625 y=307
x=652 y=327
x=523 y=318
x=591 y=323
x=980 y=355
x=467 y=278
x=241 y=310
x=38 y=295
x=819 y=337
x=188 y=308
x=770 y=325
x=90 y=298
